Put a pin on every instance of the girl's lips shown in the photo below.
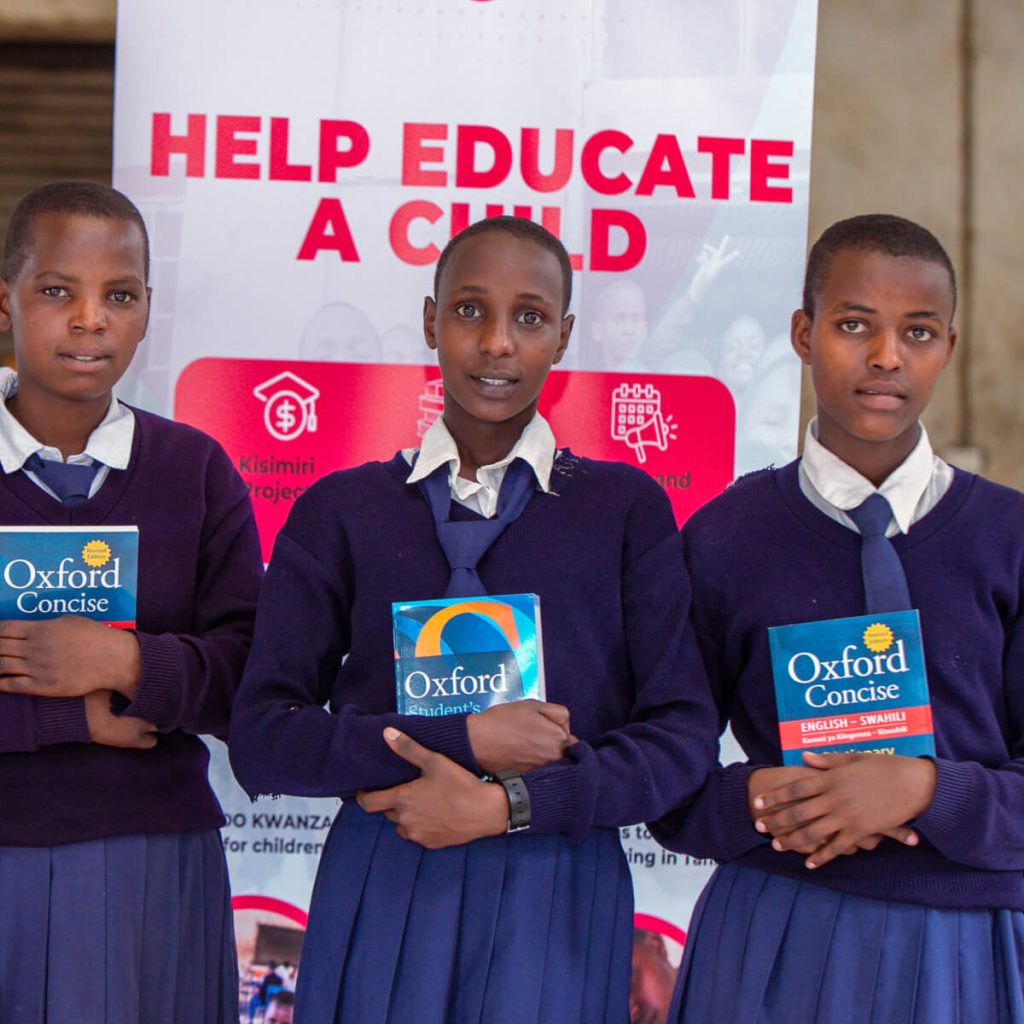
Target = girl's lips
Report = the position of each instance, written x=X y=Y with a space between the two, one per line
x=493 y=387
x=880 y=398
x=83 y=360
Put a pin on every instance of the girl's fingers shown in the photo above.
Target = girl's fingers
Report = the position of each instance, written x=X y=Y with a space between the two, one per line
x=791 y=793
x=793 y=816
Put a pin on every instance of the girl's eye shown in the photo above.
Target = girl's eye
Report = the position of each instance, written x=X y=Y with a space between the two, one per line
x=467 y=310
x=121 y=296
x=54 y=291
x=921 y=333
x=531 y=318
x=851 y=326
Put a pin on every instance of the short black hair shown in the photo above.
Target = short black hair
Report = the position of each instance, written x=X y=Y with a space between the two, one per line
x=882 y=233
x=520 y=227
x=82 y=198
x=282 y=997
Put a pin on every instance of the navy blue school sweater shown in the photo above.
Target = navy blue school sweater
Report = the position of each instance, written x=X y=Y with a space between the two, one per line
x=601 y=551
x=762 y=555
x=199 y=576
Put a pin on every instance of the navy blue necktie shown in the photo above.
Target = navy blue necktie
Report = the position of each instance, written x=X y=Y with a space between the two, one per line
x=885 y=583
x=465 y=542
x=69 y=482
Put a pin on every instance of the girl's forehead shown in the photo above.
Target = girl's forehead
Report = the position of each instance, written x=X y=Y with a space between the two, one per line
x=857 y=276
x=56 y=239
x=497 y=258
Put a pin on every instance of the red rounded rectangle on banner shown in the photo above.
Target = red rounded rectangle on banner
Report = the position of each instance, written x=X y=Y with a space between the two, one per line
x=286 y=424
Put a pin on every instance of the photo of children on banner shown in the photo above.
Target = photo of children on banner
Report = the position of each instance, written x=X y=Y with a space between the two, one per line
x=474 y=871
x=884 y=880
x=113 y=881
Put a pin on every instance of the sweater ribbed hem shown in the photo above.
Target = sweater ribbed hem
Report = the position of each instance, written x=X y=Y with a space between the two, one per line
x=161 y=675
x=735 y=807
x=447 y=734
x=556 y=800
x=950 y=806
x=61 y=720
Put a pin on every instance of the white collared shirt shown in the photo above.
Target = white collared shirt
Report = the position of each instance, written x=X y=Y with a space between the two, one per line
x=912 y=489
x=536 y=446
x=110 y=444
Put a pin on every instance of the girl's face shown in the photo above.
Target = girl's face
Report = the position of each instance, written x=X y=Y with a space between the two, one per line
x=880 y=337
x=498 y=328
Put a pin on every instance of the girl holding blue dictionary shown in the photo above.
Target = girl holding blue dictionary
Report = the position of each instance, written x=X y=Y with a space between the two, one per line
x=442 y=895
x=861 y=887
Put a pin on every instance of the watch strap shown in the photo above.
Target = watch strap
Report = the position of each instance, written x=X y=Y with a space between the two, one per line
x=518 y=800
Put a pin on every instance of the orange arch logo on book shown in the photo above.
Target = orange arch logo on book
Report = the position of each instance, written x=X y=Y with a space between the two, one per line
x=463 y=655
x=502 y=615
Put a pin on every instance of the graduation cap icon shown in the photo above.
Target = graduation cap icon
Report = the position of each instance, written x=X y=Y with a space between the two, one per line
x=290 y=405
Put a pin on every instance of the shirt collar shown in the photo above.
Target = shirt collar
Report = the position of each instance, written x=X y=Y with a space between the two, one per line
x=536 y=447
x=110 y=443
x=842 y=486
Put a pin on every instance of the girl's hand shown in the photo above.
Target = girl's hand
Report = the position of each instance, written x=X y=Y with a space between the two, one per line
x=113 y=730
x=850 y=800
x=763 y=780
x=519 y=736
x=67 y=657
x=445 y=806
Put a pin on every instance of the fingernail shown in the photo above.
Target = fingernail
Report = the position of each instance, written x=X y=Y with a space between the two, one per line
x=391 y=733
x=776 y=845
x=811 y=865
x=911 y=840
x=758 y=802
x=760 y=826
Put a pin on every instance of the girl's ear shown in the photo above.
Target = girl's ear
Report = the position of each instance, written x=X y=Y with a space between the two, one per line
x=5 y=305
x=566 y=329
x=800 y=335
x=429 y=318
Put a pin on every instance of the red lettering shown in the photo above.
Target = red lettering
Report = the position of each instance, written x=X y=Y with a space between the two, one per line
x=722 y=149
x=333 y=159
x=192 y=144
x=398 y=231
x=763 y=170
x=467 y=174
x=529 y=160
x=328 y=232
x=460 y=218
x=665 y=166
x=601 y=224
x=415 y=153
x=590 y=162
x=230 y=146
x=280 y=169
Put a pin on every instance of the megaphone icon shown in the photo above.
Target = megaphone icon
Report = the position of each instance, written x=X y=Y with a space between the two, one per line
x=654 y=432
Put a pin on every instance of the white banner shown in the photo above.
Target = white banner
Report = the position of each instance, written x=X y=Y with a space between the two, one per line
x=301 y=165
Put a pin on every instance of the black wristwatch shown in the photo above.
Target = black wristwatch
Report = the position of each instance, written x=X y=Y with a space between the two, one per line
x=518 y=799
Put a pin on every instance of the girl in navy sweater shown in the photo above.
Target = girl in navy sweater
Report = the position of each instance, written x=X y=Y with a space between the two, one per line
x=442 y=896
x=859 y=887
x=113 y=883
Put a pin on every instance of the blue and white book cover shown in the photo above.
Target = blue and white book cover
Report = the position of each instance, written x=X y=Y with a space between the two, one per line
x=463 y=655
x=49 y=571
x=856 y=683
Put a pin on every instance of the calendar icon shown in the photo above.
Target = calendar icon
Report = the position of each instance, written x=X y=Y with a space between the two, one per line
x=637 y=419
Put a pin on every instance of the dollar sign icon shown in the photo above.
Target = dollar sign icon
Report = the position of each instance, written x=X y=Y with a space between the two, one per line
x=285 y=415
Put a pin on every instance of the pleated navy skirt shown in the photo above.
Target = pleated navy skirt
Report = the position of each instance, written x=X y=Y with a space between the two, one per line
x=763 y=949
x=515 y=929
x=124 y=930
